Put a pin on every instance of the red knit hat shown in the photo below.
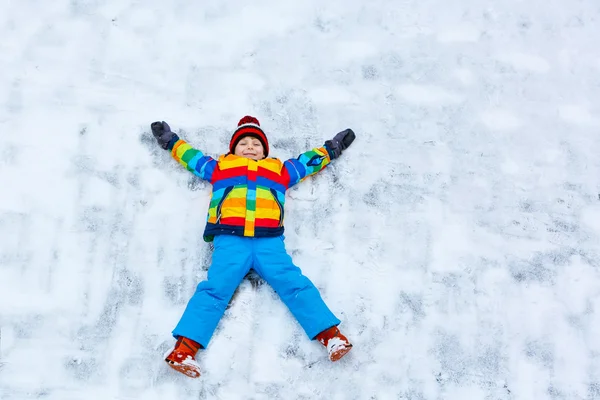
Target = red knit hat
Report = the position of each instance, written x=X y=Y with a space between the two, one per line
x=249 y=126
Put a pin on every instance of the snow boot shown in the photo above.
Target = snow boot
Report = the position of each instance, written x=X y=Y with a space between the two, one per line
x=337 y=344
x=181 y=357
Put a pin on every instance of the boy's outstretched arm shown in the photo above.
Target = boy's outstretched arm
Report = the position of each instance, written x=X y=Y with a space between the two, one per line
x=192 y=159
x=315 y=160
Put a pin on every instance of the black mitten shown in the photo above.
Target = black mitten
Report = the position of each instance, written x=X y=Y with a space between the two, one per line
x=162 y=133
x=339 y=143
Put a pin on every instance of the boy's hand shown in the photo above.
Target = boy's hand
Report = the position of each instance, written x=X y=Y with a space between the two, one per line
x=162 y=133
x=339 y=143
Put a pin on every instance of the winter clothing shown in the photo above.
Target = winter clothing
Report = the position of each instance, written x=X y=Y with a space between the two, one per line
x=340 y=142
x=162 y=133
x=232 y=258
x=245 y=220
x=181 y=357
x=249 y=126
x=248 y=196
x=337 y=344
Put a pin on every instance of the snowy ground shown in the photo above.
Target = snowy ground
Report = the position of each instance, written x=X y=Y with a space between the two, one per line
x=458 y=239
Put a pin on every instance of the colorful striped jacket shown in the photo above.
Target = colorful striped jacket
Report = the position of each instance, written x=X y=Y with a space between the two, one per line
x=248 y=196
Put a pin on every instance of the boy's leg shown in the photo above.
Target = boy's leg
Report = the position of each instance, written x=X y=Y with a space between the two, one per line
x=231 y=260
x=297 y=291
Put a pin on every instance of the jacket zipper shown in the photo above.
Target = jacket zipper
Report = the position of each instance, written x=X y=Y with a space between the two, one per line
x=225 y=193
x=274 y=193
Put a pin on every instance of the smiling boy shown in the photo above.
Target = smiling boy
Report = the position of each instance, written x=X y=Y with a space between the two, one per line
x=245 y=221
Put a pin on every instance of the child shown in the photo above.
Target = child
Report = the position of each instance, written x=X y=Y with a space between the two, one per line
x=245 y=221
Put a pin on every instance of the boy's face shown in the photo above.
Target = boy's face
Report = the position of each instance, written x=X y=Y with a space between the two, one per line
x=250 y=147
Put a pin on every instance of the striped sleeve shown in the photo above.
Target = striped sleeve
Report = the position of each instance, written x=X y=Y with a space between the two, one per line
x=307 y=164
x=193 y=159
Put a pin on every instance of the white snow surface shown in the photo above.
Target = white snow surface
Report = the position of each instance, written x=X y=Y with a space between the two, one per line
x=458 y=239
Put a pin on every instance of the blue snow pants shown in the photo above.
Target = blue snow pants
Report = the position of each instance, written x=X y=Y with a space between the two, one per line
x=232 y=259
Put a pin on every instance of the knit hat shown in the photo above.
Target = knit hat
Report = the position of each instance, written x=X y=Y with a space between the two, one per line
x=249 y=126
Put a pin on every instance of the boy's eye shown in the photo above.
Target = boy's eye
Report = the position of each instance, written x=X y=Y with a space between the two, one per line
x=254 y=142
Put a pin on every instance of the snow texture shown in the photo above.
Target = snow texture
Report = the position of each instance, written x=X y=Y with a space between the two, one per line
x=458 y=238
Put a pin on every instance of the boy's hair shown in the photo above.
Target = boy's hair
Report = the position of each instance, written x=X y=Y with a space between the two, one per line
x=249 y=126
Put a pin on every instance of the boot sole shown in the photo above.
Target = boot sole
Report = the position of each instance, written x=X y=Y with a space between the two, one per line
x=336 y=355
x=188 y=370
